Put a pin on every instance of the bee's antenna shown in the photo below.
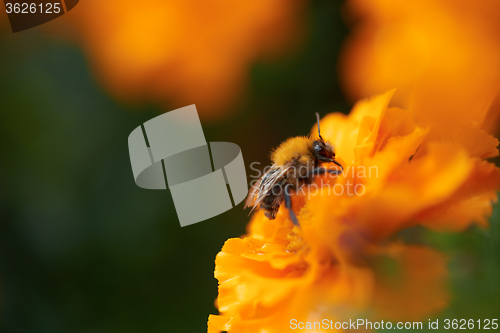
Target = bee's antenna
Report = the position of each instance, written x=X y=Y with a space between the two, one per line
x=319 y=133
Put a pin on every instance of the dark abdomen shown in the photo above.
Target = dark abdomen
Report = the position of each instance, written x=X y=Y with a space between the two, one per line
x=272 y=201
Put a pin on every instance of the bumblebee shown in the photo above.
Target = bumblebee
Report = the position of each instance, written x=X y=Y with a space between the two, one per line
x=295 y=164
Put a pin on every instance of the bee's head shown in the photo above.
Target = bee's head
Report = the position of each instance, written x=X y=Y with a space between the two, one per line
x=321 y=148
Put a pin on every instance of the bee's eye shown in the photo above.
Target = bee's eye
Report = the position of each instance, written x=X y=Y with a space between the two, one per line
x=318 y=148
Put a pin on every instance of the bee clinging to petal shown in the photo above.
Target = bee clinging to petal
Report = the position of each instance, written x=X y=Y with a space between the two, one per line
x=296 y=162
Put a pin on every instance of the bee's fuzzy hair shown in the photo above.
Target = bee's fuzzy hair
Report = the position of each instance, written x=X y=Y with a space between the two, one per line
x=291 y=148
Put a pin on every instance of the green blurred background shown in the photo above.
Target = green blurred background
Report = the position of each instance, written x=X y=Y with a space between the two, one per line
x=83 y=249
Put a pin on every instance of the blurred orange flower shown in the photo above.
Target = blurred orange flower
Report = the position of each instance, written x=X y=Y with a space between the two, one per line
x=345 y=260
x=182 y=51
x=441 y=55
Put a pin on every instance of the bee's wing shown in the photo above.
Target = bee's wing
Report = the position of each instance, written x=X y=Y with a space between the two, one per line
x=264 y=185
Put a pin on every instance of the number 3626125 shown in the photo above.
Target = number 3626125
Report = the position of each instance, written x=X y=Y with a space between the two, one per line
x=463 y=324
x=32 y=8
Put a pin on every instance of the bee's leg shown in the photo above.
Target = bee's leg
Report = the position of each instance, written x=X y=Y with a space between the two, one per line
x=288 y=205
x=321 y=171
x=326 y=159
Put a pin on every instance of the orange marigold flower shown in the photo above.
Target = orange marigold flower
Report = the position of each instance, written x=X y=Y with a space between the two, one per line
x=439 y=54
x=183 y=52
x=344 y=260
